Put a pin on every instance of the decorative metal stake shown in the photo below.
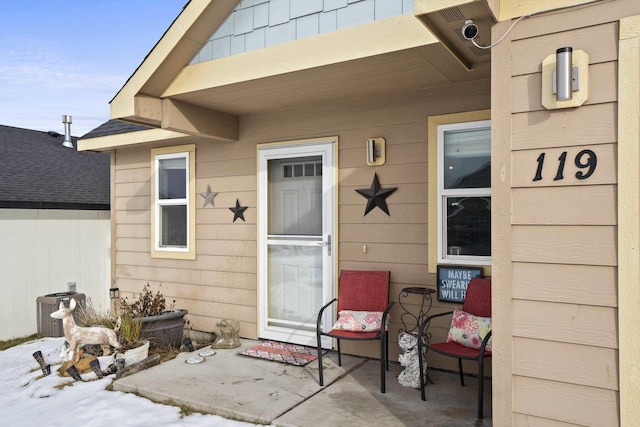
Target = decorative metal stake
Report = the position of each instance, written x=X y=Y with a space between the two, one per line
x=95 y=365
x=46 y=370
x=39 y=358
x=73 y=371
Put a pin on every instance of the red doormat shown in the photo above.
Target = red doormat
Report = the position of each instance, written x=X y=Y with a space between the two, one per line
x=292 y=354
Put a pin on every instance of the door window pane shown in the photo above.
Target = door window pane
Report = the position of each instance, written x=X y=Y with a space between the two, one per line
x=295 y=198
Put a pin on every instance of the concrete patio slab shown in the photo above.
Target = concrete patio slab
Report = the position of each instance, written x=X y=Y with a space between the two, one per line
x=355 y=400
x=270 y=393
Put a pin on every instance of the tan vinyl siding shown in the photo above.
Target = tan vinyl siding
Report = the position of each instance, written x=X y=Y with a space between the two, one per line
x=572 y=284
x=557 y=244
x=222 y=278
x=570 y=403
x=572 y=323
x=539 y=129
x=563 y=256
x=559 y=361
x=531 y=421
x=539 y=206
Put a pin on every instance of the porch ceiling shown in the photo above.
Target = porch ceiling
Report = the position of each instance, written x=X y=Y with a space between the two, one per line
x=366 y=82
x=446 y=24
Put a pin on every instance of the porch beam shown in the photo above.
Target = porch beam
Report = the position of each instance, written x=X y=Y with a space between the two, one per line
x=191 y=119
x=147 y=110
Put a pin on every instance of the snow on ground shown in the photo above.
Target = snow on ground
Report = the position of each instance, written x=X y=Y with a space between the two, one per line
x=27 y=398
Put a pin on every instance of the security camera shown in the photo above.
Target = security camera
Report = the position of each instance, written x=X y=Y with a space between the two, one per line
x=469 y=30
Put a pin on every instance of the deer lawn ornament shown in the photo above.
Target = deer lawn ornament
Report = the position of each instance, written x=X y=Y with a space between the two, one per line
x=77 y=335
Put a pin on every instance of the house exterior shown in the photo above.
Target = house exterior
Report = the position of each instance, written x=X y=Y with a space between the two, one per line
x=54 y=225
x=265 y=117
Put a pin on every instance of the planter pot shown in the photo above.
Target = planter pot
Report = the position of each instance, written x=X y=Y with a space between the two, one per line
x=164 y=329
x=137 y=354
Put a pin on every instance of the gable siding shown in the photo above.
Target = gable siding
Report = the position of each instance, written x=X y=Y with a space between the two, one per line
x=258 y=24
x=560 y=260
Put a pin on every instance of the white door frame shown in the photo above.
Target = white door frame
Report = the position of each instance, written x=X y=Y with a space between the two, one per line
x=326 y=148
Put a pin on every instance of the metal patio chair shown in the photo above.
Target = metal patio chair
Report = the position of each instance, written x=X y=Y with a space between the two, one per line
x=363 y=309
x=464 y=341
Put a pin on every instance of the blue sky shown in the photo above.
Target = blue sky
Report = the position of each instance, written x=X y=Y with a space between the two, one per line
x=72 y=56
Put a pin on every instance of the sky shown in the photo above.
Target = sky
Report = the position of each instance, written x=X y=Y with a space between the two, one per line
x=27 y=398
x=71 y=57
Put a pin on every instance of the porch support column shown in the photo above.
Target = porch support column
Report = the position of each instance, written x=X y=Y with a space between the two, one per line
x=501 y=229
x=628 y=222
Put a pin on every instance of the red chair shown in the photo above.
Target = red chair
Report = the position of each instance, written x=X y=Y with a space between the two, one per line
x=362 y=296
x=477 y=303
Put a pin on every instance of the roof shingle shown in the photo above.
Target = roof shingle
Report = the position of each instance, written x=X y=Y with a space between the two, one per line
x=37 y=171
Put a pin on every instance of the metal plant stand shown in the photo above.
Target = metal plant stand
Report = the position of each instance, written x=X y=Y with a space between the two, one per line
x=407 y=317
x=408 y=337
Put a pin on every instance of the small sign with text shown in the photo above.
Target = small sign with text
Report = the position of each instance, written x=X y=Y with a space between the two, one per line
x=453 y=282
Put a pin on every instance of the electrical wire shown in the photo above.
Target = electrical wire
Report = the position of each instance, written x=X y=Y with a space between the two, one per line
x=503 y=36
x=579 y=5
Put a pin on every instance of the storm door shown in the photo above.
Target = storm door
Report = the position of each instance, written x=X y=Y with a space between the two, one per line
x=296 y=203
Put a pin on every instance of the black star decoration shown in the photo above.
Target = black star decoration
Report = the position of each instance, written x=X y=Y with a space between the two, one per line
x=238 y=211
x=376 y=196
x=208 y=197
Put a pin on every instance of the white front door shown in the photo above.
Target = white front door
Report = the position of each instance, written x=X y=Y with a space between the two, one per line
x=296 y=201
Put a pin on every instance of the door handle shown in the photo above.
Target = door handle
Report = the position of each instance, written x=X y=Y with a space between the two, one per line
x=327 y=244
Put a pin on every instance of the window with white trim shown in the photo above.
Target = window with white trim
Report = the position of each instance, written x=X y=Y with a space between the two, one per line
x=464 y=193
x=173 y=193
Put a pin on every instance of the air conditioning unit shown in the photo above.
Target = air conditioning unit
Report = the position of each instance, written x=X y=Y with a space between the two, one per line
x=47 y=326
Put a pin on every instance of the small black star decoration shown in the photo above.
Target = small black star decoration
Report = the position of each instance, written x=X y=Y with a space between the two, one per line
x=376 y=196
x=208 y=197
x=238 y=211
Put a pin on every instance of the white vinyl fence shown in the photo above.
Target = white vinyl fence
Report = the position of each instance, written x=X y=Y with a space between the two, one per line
x=42 y=252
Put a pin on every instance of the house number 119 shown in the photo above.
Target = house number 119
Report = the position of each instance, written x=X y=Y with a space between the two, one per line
x=586 y=159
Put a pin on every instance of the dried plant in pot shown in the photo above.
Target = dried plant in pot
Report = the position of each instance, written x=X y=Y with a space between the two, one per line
x=129 y=330
x=133 y=348
x=161 y=325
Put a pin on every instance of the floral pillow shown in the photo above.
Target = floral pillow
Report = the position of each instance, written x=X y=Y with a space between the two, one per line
x=359 y=321
x=469 y=330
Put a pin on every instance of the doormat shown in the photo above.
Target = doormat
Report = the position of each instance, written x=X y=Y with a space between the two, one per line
x=291 y=354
